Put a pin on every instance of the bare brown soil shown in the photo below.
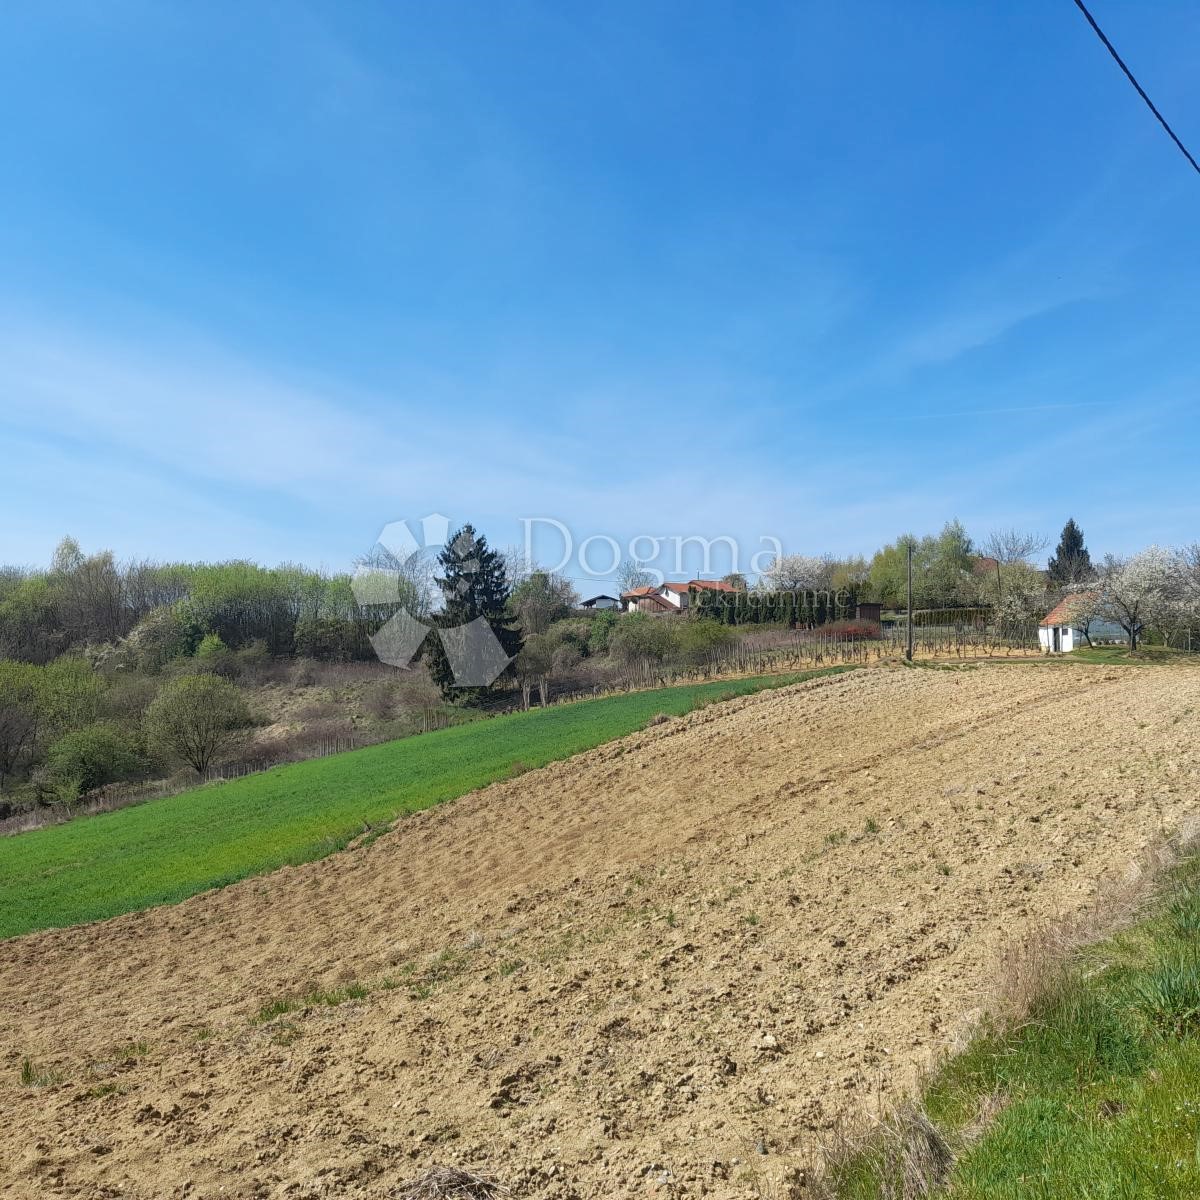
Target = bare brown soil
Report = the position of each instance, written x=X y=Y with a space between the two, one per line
x=655 y=969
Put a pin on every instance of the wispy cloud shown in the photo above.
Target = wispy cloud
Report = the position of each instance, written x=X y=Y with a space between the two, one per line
x=948 y=337
x=223 y=452
x=1005 y=410
x=188 y=448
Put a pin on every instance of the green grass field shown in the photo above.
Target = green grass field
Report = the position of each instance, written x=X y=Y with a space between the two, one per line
x=165 y=850
x=1146 y=656
x=1094 y=1095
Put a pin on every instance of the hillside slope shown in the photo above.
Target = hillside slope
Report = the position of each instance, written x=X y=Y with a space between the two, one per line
x=166 y=850
x=651 y=969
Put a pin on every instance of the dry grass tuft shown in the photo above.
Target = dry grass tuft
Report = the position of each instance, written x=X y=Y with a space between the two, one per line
x=451 y=1183
x=830 y=1152
x=910 y=1157
x=917 y=1157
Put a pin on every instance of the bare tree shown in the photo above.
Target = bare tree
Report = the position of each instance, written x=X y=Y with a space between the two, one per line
x=20 y=712
x=385 y=580
x=92 y=602
x=1011 y=548
x=1013 y=545
x=540 y=599
x=533 y=666
x=518 y=565
x=631 y=574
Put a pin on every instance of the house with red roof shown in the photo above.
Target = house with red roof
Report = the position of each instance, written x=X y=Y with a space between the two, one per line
x=646 y=599
x=670 y=597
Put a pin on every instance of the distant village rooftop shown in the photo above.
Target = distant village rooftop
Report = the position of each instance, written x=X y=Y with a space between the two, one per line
x=670 y=597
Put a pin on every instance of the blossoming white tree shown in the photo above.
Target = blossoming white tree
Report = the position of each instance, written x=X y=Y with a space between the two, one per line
x=799 y=572
x=1189 y=566
x=1083 y=609
x=1148 y=589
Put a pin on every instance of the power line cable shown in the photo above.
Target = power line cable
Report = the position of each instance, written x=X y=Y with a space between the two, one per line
x=1140 y=90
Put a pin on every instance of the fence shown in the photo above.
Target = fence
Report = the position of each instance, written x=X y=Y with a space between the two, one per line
x=1185 y=639
x=958 y=634
x=798 y=650
x=251 y=766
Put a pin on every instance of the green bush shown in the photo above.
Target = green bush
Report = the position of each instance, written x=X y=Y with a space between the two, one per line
x=88 y=758
x=213 y=655
x=1169 y=995
x=601 y=631
x=1184 y=914
x=572 y=631
x=640 y=637
x=252 y=658
x=72 y=693
x=333 y=639
x=211 y=646
x=127 y=697
x=699 y=640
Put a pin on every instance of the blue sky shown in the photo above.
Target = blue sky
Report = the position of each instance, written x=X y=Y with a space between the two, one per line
x=276 y=274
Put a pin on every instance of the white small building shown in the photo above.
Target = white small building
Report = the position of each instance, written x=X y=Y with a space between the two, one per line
x=675 y=594
x=1061 y=630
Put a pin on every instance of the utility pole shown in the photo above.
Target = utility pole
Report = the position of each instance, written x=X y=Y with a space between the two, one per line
x=909 y=652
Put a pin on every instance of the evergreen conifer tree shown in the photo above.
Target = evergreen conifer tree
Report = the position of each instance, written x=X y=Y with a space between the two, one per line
x=473 y=584
x=1071 y=563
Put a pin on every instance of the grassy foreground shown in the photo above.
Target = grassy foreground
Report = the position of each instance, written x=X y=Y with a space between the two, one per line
x=165 y=850
x=1095 y=1095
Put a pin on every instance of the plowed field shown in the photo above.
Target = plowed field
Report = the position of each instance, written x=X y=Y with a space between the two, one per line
x=654 y=968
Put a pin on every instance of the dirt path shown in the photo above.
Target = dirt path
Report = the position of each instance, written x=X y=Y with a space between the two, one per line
x=654 y=969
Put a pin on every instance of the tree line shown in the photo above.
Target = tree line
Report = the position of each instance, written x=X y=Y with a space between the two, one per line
x=111 y=671
x=169 y=608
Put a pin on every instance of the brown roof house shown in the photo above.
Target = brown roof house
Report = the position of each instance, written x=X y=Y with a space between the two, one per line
x=670 y=597
x=1067 y=626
